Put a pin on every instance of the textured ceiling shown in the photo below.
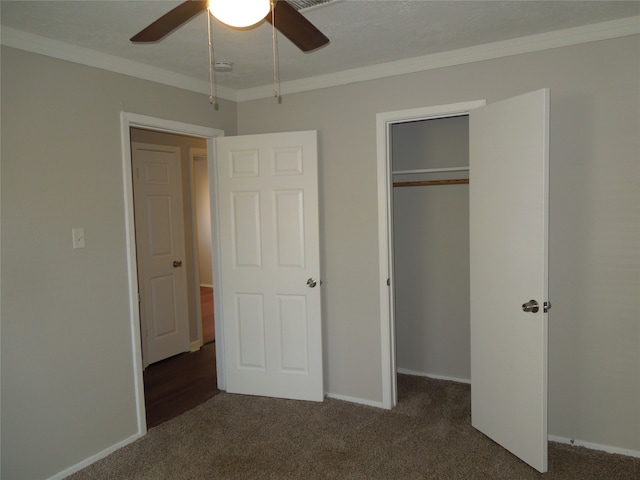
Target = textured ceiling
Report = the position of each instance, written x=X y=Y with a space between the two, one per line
x=362 y=32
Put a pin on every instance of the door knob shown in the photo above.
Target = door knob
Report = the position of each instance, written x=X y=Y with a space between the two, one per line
x=531 y=306
x=177 y=263
x=311 y=283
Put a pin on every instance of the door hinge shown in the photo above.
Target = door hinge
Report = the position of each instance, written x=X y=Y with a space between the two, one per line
x=546 y=307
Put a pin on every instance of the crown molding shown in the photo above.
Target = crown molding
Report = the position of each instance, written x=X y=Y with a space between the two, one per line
x=488 y=51
x=532 y=43
x=29 y=42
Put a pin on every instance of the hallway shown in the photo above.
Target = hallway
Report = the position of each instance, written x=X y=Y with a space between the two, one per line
x=180 y=383
x=177 y=384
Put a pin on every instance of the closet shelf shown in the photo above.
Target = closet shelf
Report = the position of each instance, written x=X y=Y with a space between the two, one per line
x=422 y=183
x=430 y=170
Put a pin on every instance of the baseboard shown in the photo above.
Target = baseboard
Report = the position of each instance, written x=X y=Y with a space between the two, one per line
x=206 y=285
x=195 y=346
x=94 y=458
x=361 y=401
x=371 y=403
x=594 y=446
x=431 y=375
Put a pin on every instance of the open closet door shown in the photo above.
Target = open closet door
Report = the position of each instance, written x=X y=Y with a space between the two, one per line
x=508 y=266
x=270 y=264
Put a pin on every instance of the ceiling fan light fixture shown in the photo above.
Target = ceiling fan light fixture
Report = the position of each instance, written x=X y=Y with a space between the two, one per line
x=239 y=13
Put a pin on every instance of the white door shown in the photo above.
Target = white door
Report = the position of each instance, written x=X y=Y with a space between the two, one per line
x=508 y=240
x=159 y=223
x=270 y=266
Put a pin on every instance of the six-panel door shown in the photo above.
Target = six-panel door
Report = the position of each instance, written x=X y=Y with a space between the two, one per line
x=269 y=242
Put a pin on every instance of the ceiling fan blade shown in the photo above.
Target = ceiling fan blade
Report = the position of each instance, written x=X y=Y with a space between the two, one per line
x=170 y=21
x=293 y=25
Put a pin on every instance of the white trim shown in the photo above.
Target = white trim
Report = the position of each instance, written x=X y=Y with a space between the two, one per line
x=595 y=446
x=206 y=285
x=171 y=126
x=128 y=120
x=385 y=266
x=92 y=58
x=195 y=345
x=94 y=458
x=221 y=373
x=132 y=271
x=385 y=229
x=532 y=43
x=434 y=376
x=361 y=401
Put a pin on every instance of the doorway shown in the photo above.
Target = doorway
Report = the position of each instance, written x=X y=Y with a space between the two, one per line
x=129 y=121
x=385 y=122
x=508 y=226
x=429 y=161
x=172 y=166
x=288 y=158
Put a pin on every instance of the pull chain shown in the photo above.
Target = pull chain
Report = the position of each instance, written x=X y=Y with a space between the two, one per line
x=212 y=73
x=276 y=65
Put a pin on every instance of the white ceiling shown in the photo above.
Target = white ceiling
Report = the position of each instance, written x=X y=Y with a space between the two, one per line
x=362 y=32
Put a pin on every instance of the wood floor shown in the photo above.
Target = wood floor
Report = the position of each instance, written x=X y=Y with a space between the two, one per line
x=177 y=384
x=206 y=306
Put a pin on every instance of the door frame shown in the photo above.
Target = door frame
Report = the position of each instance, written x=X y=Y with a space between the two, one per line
x=384 y=121
x=128 y=120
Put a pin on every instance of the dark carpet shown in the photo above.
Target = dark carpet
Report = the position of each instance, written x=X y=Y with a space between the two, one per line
x=427 y=436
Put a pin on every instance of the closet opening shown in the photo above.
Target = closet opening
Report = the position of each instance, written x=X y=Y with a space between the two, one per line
x=429 y=163
x=493 y=335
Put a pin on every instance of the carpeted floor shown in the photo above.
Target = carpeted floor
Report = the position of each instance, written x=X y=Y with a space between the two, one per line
x=427 y=436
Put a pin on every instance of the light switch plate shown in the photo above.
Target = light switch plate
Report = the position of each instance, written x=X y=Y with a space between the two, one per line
x=78 y=237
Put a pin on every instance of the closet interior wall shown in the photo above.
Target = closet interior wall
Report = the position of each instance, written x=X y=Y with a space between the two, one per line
x=431 y=248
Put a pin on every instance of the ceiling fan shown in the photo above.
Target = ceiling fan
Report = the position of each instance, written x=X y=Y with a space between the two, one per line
x=288 y=20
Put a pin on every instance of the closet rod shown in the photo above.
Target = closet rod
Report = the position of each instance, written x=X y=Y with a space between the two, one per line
x=430 y=170
x=422 y=183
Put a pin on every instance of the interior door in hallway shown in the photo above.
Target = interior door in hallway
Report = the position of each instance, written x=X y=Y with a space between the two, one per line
x=270 y=264
x=160 y=250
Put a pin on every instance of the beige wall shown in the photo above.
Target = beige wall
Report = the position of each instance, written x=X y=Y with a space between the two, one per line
x=67 y=371
x=67 y=374
x=594 y=346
